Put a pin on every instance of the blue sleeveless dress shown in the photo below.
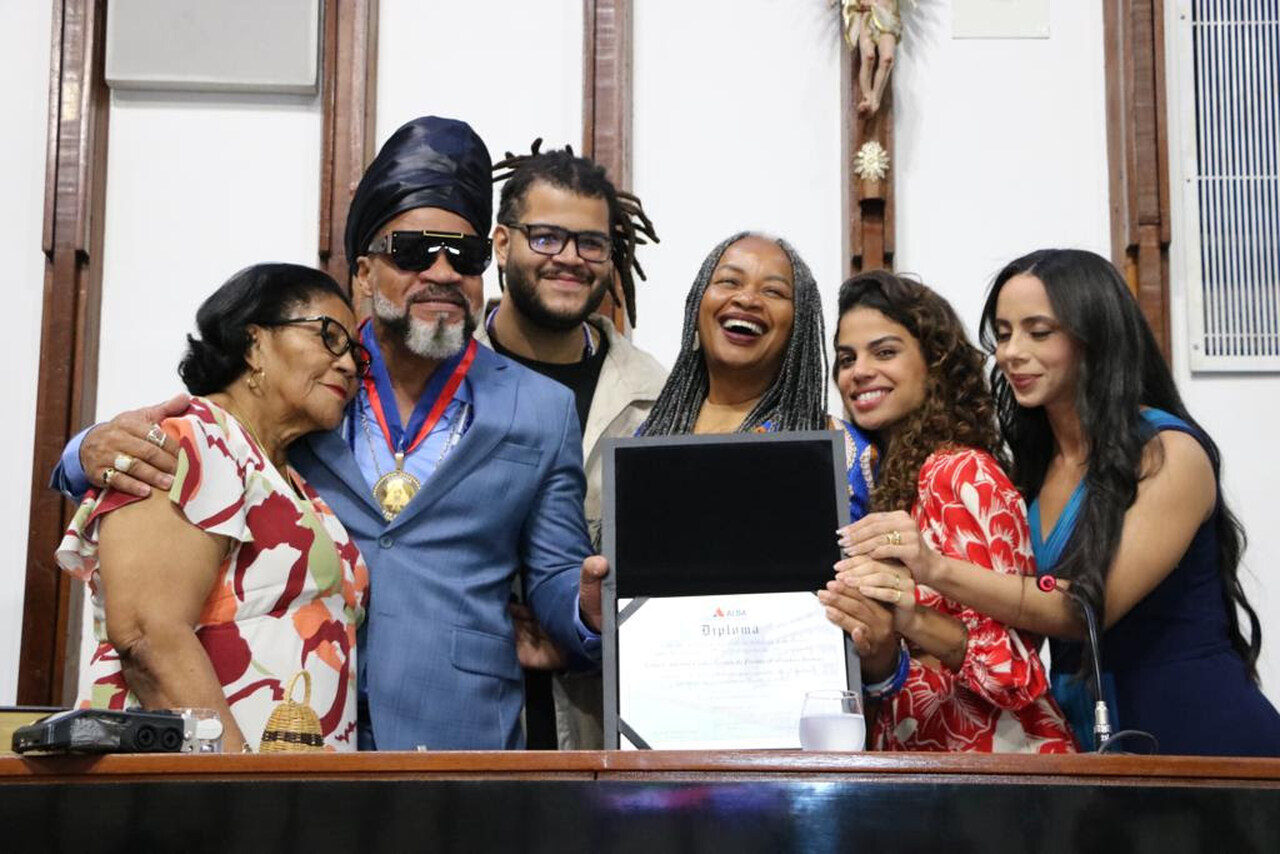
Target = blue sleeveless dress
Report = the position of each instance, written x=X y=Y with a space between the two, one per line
x=1168 y=666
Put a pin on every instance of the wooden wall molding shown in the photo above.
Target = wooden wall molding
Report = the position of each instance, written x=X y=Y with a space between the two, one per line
x=869 y=206
x=607 y=100
x=349 y=91
x=66 y=396
x=1138 y=154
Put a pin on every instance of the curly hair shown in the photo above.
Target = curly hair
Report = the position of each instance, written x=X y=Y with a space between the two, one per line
x=958 y=409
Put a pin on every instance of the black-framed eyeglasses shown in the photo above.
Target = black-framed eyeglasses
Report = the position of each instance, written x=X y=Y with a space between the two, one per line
x=415 y=251
x=336 y=339
x=594 y=246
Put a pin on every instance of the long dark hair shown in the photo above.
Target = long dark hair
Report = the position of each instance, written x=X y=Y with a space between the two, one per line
x=1120 y=371
x=797 y=400
x=957 y=410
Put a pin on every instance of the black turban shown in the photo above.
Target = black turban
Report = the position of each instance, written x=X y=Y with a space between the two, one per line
x=428 y=163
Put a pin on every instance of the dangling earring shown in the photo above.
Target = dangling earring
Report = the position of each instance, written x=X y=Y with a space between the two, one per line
x=697 y=342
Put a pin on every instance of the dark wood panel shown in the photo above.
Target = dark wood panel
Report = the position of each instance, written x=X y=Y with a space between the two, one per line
x=1183 y=770
x=607 y=101
x=869 y=206
x=349 y=92
x=1138 y=154
x=67 y=386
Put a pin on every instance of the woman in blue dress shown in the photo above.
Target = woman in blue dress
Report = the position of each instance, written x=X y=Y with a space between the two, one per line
x=1127 y=517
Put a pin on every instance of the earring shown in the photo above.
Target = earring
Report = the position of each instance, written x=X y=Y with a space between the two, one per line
x=255 y=379
x=697 y=342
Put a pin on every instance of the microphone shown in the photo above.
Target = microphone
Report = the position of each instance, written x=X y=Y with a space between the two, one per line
x=1103 y=738
x=1101 y=717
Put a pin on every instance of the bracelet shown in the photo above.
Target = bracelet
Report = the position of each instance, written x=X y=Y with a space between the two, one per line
x=892 y=685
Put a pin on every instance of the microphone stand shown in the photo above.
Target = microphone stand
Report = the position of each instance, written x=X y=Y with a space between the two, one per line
x=1101 y=717
x=1102 y=735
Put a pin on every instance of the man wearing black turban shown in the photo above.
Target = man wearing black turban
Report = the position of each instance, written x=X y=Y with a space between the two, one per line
x=454 y=469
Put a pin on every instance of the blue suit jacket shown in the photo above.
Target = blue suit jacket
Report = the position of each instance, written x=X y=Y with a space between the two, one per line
x=437 y=653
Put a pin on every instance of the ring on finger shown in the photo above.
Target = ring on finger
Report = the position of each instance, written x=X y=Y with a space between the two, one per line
x=156 y=436
x=123 y=463
x=107 y=474
x=897 y=596
x=893 y=538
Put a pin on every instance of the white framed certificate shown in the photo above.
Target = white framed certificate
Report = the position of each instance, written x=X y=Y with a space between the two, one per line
x=716 y=546
x=723 y=671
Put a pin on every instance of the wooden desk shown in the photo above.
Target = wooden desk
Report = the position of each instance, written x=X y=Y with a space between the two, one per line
x=651 y=802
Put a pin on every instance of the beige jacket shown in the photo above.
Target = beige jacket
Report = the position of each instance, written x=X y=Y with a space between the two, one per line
x=630 y=380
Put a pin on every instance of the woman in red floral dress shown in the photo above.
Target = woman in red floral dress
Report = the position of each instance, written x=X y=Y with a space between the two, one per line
x=939 y=676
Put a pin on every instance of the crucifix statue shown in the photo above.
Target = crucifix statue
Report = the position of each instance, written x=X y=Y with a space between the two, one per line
x=871 y=31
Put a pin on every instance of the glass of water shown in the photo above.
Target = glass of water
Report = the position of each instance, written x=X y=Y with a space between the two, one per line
x=832 y=720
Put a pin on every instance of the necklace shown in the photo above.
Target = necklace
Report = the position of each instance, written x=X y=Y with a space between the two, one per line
x=588 y=346
x=285 y=472
x=394 y=490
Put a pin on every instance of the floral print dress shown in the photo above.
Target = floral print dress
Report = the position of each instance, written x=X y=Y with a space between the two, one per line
x=967 y=509
x=288 y=596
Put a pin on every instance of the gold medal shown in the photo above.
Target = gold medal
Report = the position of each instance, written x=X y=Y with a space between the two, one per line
x=395 y=489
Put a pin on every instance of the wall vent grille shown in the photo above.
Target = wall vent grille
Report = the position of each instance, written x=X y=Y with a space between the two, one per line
x=1234 y=188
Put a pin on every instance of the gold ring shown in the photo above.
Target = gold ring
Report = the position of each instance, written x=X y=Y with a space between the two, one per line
x=893 y=538
x=123 y=463
x=156 y=436
x=897 y=596
x=107 y=474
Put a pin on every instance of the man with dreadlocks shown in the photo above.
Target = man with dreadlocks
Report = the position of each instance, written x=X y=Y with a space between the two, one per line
x=565 y=238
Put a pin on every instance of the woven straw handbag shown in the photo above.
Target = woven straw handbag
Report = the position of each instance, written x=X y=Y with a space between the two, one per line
x=293 y=727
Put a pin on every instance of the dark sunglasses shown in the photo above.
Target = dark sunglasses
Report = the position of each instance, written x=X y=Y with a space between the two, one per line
x=595 y=246
x=336 y=339
x=415 y=251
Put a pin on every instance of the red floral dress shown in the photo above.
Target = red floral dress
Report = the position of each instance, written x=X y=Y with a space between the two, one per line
x=999 y=700
x=288 y=596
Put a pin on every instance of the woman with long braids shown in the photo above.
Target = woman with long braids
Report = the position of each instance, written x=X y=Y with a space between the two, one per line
x=752 y=356
x=943 y=676
x=1127 y=517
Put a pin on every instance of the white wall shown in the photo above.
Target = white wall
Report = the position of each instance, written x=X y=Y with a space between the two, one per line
x=24 y=47
x=736 y=127
x=198 y=186
x=1001 y=148
x=509 y=68
x=1237 y=410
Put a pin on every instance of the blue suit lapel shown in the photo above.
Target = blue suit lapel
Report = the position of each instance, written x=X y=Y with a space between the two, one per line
x=331 y=451
x=494 y=402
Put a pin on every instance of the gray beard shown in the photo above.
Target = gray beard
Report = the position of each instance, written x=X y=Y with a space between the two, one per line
x=438 y=340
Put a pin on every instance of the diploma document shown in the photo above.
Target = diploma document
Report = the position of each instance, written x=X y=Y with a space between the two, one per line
x=716 y=545
x=724 y=672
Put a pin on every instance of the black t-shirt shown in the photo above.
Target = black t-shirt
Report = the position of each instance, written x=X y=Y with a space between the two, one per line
x=580 y=377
